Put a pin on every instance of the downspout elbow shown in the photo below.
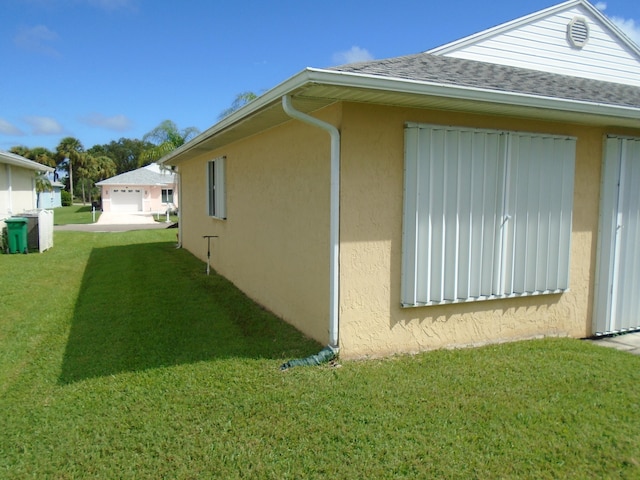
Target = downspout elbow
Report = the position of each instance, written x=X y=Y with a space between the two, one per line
x=334 y=216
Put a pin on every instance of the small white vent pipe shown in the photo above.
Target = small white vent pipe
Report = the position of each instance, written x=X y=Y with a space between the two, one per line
x=334 y=212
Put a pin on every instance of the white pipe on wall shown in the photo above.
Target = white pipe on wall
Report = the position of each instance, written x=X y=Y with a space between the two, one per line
x=334 y=212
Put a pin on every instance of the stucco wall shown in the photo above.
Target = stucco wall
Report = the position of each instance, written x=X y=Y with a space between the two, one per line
x=274 y=244
x=371 y=319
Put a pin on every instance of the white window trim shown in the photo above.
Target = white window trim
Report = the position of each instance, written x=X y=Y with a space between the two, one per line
x=438 y=266
x=216 y=188
x=166 y=195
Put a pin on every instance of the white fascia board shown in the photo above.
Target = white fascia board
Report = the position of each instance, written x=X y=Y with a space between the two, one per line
x=268 y=98
x=458 y=92
x=609 y=24
x=503 y=27
x=484 y=34
x=18 y=161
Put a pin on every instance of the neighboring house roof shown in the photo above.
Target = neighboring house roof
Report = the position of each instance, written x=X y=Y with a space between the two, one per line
x=441 y=82
x=149 y=175
x=18 y=161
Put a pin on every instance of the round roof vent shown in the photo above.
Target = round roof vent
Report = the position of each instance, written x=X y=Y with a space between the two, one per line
x=578 y=32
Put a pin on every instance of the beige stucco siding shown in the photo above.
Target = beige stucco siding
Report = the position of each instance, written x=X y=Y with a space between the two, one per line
x=371 y=319
x=274 y=244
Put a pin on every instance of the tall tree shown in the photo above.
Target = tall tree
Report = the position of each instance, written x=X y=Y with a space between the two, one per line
x=70 y=150
x=125 y=153
x=165 y=138
x=38 y=154
x=240 y=101
x=92 y=169
x=105 y=167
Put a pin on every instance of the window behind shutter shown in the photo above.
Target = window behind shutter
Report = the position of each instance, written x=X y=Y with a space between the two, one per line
x=486 y=214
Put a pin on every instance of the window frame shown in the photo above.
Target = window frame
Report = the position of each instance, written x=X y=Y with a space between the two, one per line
x=165 y=197
x=216 y=188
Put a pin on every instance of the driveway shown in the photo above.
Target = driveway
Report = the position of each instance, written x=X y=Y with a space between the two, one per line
x=119 y=222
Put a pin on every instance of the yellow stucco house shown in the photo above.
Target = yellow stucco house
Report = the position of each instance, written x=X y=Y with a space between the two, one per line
x=484 y=191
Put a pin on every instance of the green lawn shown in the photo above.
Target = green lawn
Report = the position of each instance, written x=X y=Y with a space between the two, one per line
x=74 y=214
x=120 y=358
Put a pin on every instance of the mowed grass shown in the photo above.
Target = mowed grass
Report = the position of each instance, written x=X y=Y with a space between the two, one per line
x=74 y=214
x=120 y=358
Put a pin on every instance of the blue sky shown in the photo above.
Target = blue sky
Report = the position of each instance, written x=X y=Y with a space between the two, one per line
x=99 y=70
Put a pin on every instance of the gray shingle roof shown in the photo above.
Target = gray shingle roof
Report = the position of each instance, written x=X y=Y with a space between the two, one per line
x=141 y=176
x=469 y=73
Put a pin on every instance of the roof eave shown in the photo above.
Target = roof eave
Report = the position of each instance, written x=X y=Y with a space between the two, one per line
x=263 y=101
x=351 y=80
x=18 y=161
x=486 y=95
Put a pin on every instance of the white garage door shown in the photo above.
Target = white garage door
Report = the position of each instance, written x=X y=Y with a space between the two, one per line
x=126 y=200
x=617 y=306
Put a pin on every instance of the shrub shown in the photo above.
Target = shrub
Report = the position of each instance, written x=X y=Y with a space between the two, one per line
x=65 y=198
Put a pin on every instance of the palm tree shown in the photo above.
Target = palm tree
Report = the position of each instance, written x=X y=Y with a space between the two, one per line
x=43 y=184
x=71 y=150
x=166 y=137
x=44 y=156
x=92 y=169
x=38 y=154
x=105 y=167
x=240 y=101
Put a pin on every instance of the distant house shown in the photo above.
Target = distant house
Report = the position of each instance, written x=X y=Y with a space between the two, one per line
x=485 y=191
x=18 y=184
x=51 y=198
x=147 y=189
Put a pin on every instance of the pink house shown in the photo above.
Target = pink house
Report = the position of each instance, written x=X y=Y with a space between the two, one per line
x=147 y=189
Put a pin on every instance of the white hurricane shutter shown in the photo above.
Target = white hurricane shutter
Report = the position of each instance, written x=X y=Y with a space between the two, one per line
x=486 y=214
x=609 y=195
x=617 y=306
x=629 y=310
x=539 y=213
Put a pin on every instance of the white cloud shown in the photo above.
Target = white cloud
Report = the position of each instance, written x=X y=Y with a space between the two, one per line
x=44 y=125
x=37 y=39
x=7 y=128
x=353 y=55
x=118 y=123
x=629 y=26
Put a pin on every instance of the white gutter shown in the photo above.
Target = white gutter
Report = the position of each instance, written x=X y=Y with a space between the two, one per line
x=10 y=190
x=334 y=215
x=462 y=92
x=311 y=76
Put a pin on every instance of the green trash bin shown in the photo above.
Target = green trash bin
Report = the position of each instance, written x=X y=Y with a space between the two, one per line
x=17 y=233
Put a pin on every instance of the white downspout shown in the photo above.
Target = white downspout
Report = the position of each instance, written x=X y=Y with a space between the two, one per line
x=10 y=189
x=334 y=215
x=178 y=182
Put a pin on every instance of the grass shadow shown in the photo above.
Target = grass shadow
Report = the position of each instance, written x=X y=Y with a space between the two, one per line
x=150 y=305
